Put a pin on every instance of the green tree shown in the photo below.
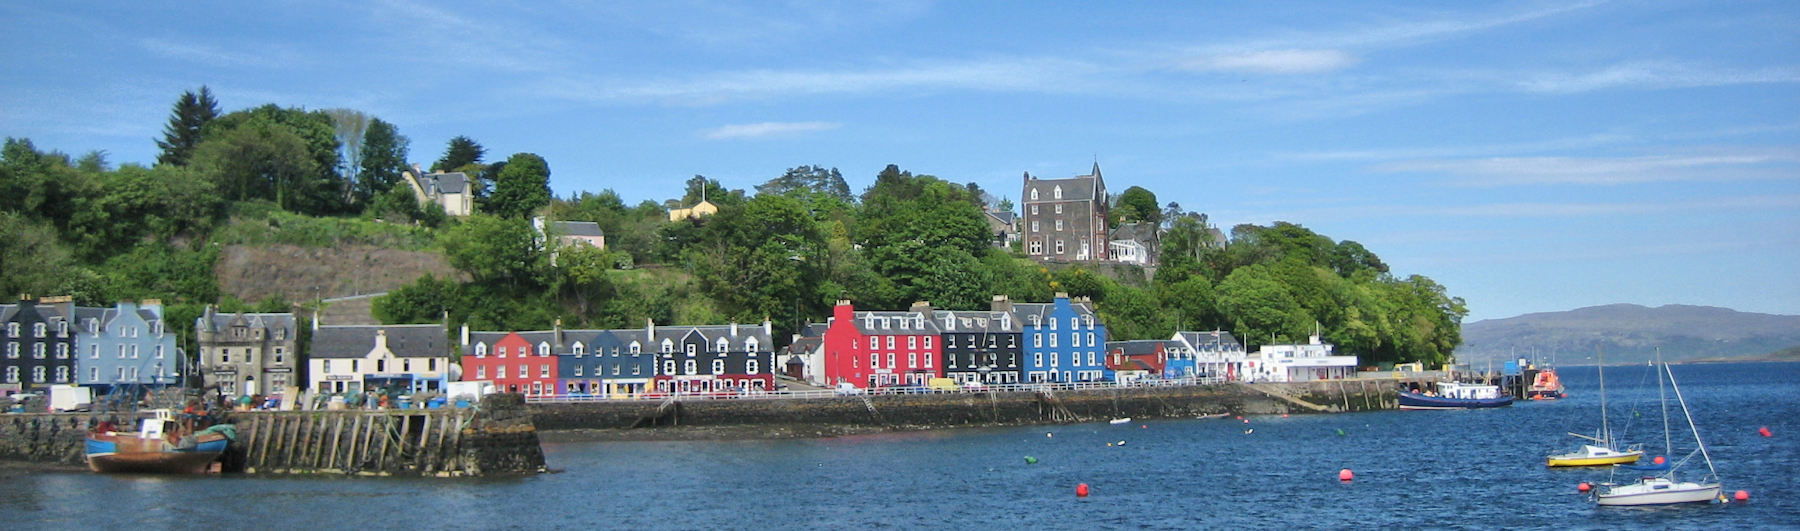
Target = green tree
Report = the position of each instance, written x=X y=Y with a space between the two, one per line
x=815 y=179
x=425 y=300
x=581 y=282
x=382 y=159
x=496 y=250
x=761 y=259
x=314 y=188
x=32 y=259
x=1261 y=309
x=193 y=110
x=258 y=160
x=1136 y=205
x=699 y=187
x=462 y=151
x=522 y=188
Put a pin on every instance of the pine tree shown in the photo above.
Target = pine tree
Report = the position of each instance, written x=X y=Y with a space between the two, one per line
x=383 y=158
x=192 y=112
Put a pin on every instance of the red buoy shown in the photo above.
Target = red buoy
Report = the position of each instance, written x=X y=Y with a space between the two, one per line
x=1659 y=460
x=1081 y=491
x=1765 y=432
x=1584 y=487
x=1346 y=475
x=1742 y=495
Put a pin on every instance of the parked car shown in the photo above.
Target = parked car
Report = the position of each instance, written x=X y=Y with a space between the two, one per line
x=847 y=388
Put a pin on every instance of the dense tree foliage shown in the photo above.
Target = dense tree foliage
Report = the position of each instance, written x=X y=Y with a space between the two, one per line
x=522 y=187
x=461 y=152
x=1136 y=205
x=191 y=114
x=382 y=159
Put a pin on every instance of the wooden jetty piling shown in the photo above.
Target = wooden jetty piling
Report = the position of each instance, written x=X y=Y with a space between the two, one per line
x=398 y=442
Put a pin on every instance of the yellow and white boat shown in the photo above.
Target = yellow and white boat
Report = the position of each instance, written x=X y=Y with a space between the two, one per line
x=1593 y=455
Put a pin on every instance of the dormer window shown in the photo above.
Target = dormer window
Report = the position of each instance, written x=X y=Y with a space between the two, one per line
x=724 y=346
x=1034 y=196
x=543 y=349
x=692 y=349
x=635 y=348
x=579 y=350
x=480 y=350
x=1034 y=321
x=750 y=346
x=668 y=346
x=93 y=326
x=1057 y=191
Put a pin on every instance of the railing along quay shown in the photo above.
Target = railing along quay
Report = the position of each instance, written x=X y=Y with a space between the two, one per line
x=880 y=391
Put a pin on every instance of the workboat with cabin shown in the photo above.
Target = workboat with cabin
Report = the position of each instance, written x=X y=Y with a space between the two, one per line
x=1545 y=386
x=162 y=445
x=1455 y=395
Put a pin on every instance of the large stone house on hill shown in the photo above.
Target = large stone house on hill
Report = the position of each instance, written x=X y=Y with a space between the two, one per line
x=1065 y=219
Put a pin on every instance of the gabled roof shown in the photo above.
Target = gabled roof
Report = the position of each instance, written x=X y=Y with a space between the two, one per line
x=1137 y=347
x=221 y=321
x=447 y=183
x=1078 y=188
x=1003 y=217
x=1024 y=310
x=1141 y=232
x=579 y=228
x=405 y=341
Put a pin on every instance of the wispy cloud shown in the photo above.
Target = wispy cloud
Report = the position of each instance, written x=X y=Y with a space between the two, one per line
x=1653 y=76
x=212 y=56
x=1519 y=171
x=766 y=129
x=994 y=74
x=1274 y=62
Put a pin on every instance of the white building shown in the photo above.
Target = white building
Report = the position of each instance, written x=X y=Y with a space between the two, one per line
x=1296 y=363
x=1216 y=354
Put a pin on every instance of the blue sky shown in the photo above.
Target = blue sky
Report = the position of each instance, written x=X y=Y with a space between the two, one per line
x=1529 y=156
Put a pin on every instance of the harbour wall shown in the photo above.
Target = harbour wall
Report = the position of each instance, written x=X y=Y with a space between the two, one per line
x=497 y=437
x=942 y=410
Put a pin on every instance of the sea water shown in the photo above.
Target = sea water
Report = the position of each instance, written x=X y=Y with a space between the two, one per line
x=1413 y=469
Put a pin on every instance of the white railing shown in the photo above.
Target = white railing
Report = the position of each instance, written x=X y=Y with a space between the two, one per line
x=881 y=391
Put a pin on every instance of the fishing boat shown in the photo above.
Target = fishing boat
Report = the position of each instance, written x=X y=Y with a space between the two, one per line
x=1667 y=488
x=1604 y=450
x=162 y=445
x=1455 y=395
x=1545 y=386
x=1122 y=420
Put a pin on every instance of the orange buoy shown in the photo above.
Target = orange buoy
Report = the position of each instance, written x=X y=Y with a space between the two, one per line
x=1765 y=432
x=1345 y=475
x=1742 y=495
x=1584 y=487
x=1081 y=491
x=1659 y=460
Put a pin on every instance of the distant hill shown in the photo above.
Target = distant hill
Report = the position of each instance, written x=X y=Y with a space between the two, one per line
x=1629 y=333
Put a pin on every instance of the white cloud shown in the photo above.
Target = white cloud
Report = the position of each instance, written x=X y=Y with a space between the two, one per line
x=766 y=129
x=1275 y=61
x=1653 y=76
x=1520 y=171
x=209 y=55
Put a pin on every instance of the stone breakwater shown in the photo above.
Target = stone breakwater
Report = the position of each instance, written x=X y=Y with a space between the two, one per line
x=864 y=413
x=495 y=438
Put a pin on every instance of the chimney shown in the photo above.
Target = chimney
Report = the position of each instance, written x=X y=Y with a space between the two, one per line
x=843 y=312
x=64 y=305
x=557 y=333
x=649 y=330
x=465 y=334
x=380 y=339
x=921 y=307
x=734 y=328
x=315 y=323
x=154 y=305
x=769 y=328
x=1001 y=304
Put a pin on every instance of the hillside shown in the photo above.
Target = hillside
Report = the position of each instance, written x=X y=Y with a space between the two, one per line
x=1629 y=332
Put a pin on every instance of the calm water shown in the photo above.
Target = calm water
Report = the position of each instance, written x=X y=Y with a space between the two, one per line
x=1413 y=469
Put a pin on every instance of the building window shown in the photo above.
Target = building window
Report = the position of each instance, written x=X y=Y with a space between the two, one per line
x=480 y=372
x=718 y=367
x=1059 y=247
x=635 y=349
x=912 y=342
x=1034 y=226
x=615 y=370
x=874 y=342
x=912 y=360
x=691 y=367
x=691 y=348
x=669 y=367
x=37 y=351
x=668 y=346
x=94 y=352
x=750 y=345
x=578 y=370
x=874 y=360
x=1057 y=192
x=1091 y=340
x=890 y=360
x=1037 y=340
x=62 y=374
x=723 y=346
x=1037 y=247
x=37 y=330
x=1034 y=196
x=93 y=375
x=62 y=351
x=1059 y=225
x=12 y=330
x=890 y=342
x=1091 y=359
x=37 y=374
x=543 y=349
x=544 y=371
x=928 y=341
x=1037 y=359
x=578 y=349
x=1059 y=208
x=634 y=370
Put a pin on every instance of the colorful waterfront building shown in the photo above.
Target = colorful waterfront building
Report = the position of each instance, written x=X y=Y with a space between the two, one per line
x=395 y=359
x=127 y=344
x=1140 y=359
x=713 y=359
x=514 y=362
x=626 y=368
x=981 y=346
x=38 y=345
x=1063 y=341
x=875 y=349
x=1215 y=354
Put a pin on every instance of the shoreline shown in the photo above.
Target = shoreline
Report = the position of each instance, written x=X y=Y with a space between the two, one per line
x=729 y=433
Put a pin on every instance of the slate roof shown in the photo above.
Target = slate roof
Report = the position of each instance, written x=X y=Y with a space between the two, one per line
x=1024 y=310
x=7 y=311
x=1007 y=218
x=1205 y=341
x=1141 y=232
x=1078 y=188
x=976 y=321
x=891 y=323
x=405 y=341
x=579 y=228
x=222 y=321
x=1136 y=347
x=447 y=183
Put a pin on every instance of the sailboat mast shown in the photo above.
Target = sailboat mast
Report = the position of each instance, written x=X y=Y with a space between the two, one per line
x=1690 y=420
x=1668 y=447
x=1605 y=431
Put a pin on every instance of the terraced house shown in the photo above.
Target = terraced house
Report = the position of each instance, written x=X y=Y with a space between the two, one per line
x=1063 y=341
x=38 y=346
x=875 y=349
x=128 y=344
x=397 y=359
x=715 y=358
x=981 y=346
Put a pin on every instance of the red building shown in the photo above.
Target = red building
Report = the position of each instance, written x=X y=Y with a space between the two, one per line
x=874 y=349
x=512 y=361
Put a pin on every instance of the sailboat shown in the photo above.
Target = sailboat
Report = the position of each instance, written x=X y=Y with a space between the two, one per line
x=1666 y=488
x=1604 y=450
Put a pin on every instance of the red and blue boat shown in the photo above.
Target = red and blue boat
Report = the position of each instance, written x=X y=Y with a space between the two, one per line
x=162 y=445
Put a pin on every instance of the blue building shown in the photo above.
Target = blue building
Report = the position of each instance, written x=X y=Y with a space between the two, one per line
x=128 y=344
x=1063 y=341
x=623 y=363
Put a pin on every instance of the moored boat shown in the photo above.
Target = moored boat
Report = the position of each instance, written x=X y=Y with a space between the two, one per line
x=1666 y=488
x=1604 y=449
x=1546 y=386
x=161 y=445
x=1456 y=395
